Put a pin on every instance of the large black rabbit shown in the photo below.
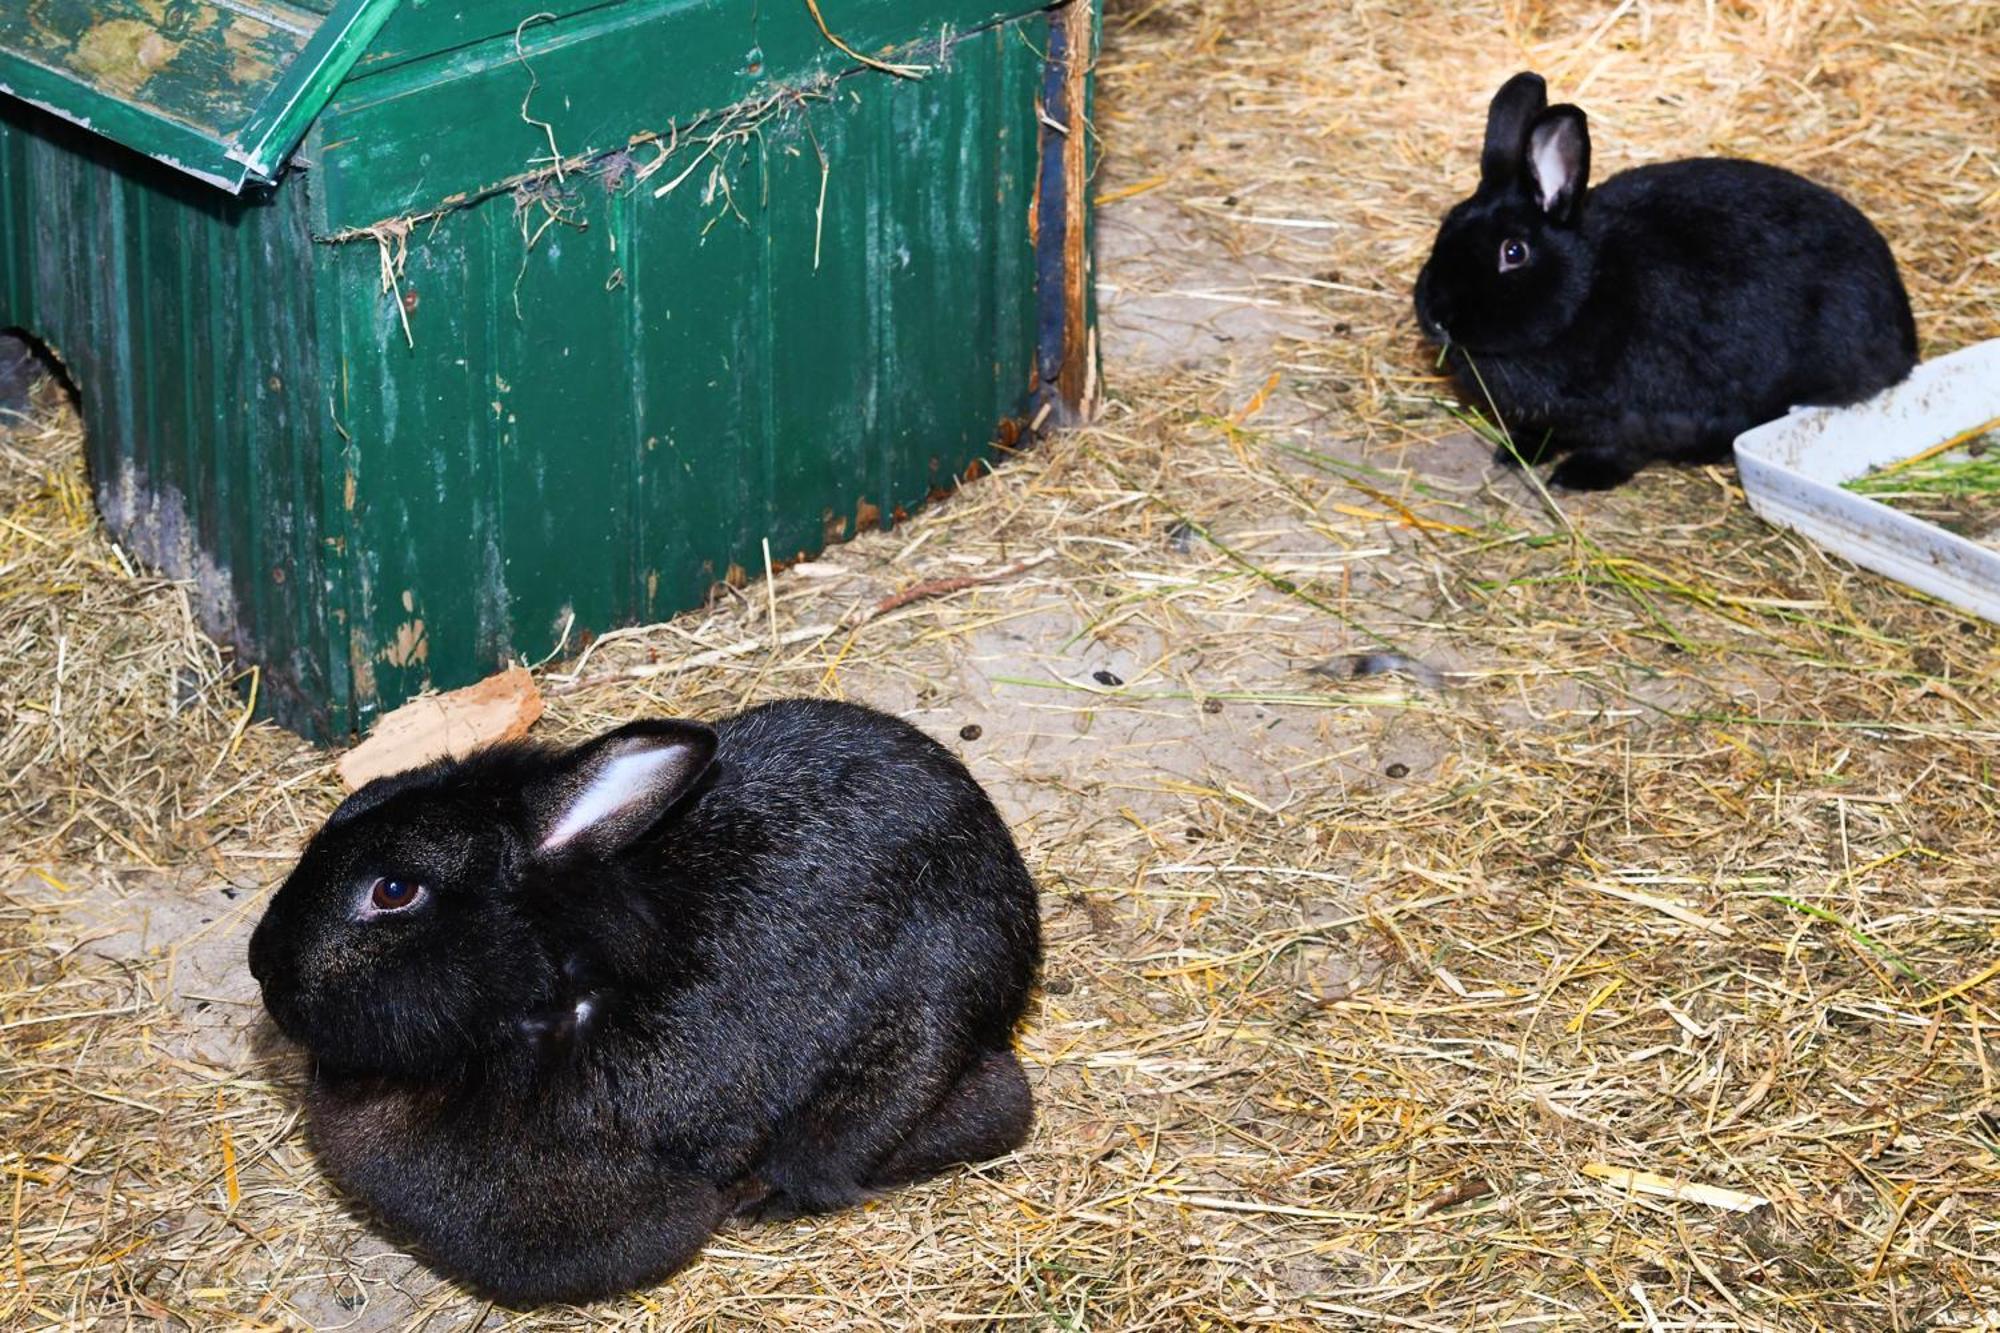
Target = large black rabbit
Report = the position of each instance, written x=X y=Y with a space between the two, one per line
x=570 y=1009
x=1671 y=309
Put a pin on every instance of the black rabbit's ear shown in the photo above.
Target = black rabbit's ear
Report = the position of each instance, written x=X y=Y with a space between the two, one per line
x=611 y=790
x=1514 y=109
x=1559 y=161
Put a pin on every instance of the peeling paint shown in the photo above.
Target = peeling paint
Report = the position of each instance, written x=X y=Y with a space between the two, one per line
x=410 y=647
x=361 y=666
x=151 y=521
x=214 y=88
x=123 y=54
x=250 y=50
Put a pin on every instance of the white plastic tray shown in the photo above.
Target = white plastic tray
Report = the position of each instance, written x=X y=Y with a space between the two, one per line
x=1792 y=469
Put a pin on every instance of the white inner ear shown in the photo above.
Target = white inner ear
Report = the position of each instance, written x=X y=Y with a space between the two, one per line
x=618 y=786
x=1545 y=159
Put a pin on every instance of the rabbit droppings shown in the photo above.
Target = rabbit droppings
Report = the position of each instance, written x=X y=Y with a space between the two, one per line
x=568 y=1010
x=1671 y=309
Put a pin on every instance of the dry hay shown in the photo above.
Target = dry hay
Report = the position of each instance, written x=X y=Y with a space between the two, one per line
x=1491 y=992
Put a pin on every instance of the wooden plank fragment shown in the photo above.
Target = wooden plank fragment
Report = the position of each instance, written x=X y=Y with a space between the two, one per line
x=499 y=708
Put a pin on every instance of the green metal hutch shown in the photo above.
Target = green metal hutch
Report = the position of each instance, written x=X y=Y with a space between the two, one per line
x=419 y=334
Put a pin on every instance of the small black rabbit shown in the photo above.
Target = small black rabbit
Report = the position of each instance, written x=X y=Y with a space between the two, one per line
x=571 y=1009
x=1672 y=309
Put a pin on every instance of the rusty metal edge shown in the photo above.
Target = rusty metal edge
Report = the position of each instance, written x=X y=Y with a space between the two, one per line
x=1066 y=350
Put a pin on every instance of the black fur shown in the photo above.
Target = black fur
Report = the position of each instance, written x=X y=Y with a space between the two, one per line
x=788 y=975
x=1660 y=314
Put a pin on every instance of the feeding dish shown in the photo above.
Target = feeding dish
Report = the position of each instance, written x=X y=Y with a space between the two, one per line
x=1794 y=469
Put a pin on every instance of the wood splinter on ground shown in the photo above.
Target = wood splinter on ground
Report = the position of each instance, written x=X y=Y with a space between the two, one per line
x=1669 y=1187
x=499 y=708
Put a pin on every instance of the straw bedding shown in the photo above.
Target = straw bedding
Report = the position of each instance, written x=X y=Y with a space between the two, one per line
x=1465 y=910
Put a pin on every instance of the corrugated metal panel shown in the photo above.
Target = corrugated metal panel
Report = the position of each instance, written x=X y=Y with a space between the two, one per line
x=220 y=91
x=186 y=319
x=604 y=424
x=605 y=401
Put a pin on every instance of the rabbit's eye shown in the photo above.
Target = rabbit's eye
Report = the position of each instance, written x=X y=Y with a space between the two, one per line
x=393 y=895
x=1513 y=254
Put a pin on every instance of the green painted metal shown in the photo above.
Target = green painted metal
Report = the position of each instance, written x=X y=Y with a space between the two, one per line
x=222 y=91
x=186 y=317
x=280 y=120
x=589 y=82
x=428 y=405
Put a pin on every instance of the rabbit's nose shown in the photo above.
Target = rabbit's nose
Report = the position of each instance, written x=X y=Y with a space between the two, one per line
x=1433 y=310
x=261 y=951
